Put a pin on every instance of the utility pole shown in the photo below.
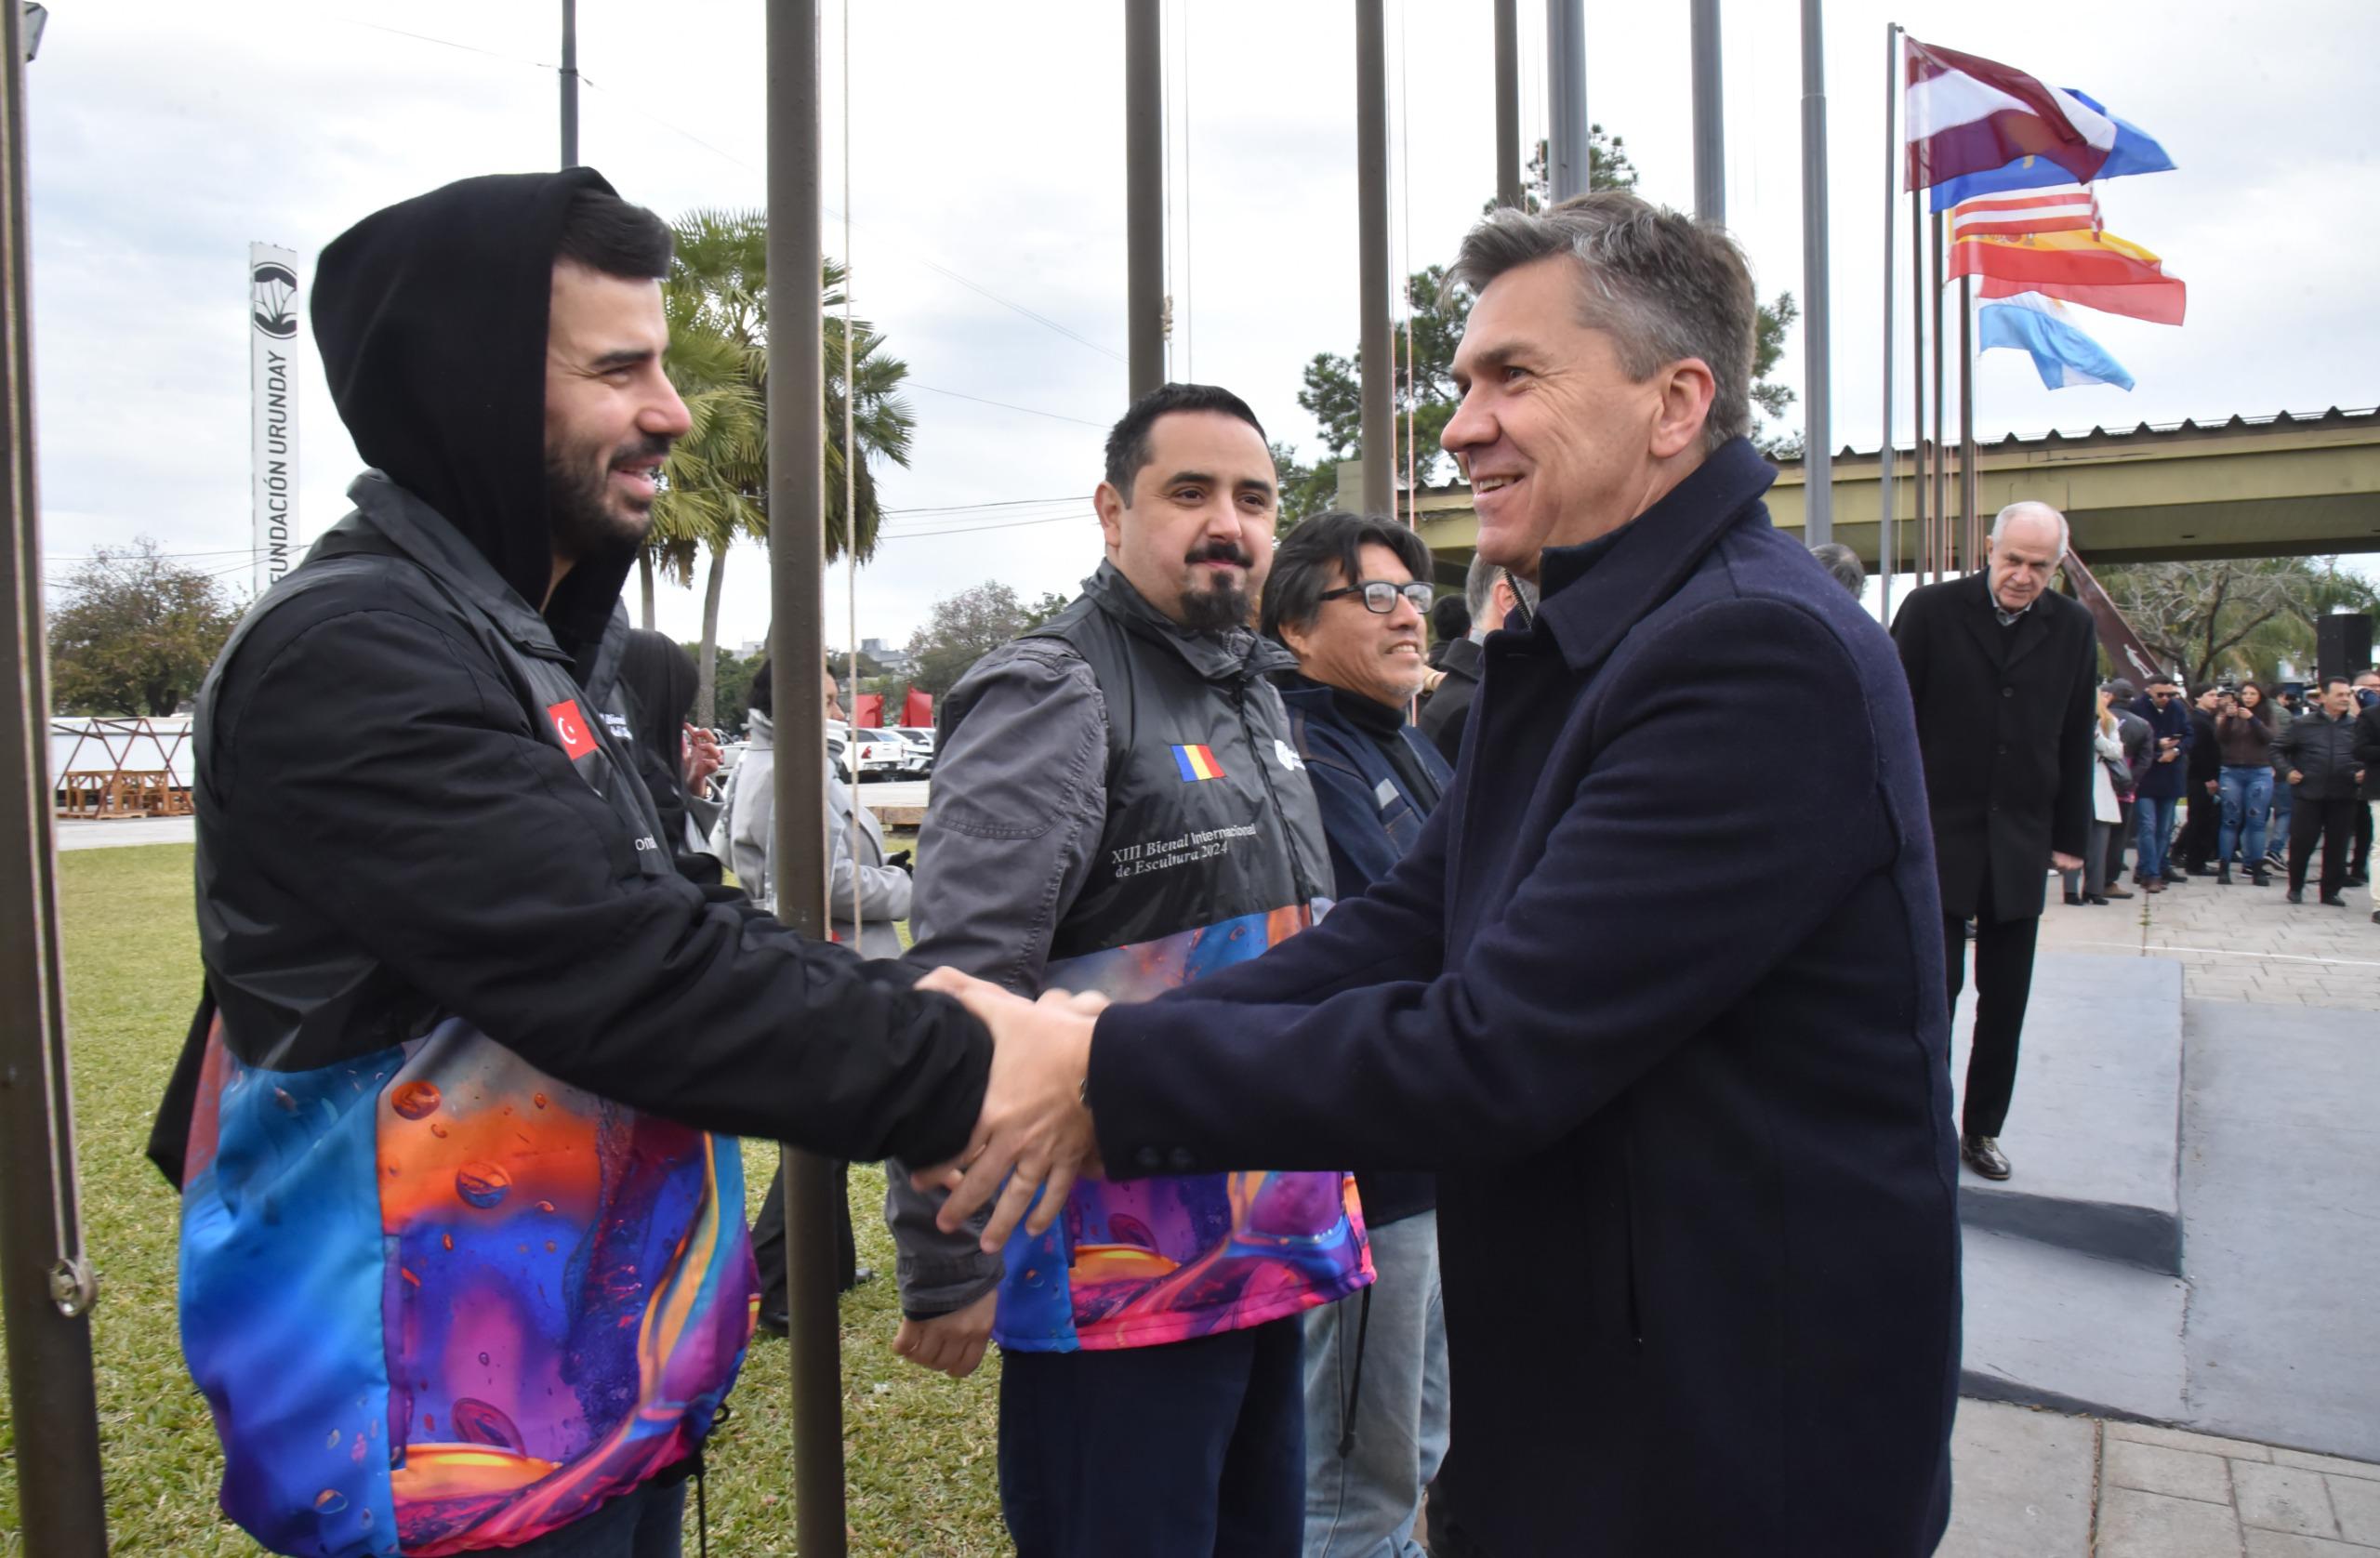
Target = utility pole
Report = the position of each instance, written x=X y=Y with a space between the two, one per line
x=570 y=83
x=1508 y=106
x=797 y=560
x=1144 y=194
x=1568 y=167
x=1818 y=431
x=1379 y=423
x=1709 y=127
x=46 y=1286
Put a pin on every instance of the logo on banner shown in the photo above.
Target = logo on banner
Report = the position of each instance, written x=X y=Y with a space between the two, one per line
x=570 y=728
x=272 y=299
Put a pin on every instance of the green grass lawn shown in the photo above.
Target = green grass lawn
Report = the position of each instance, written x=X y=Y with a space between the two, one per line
x=919 y=1449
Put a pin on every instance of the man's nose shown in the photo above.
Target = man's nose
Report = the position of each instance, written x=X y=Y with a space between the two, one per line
x=1467 y=429
x=666 y=415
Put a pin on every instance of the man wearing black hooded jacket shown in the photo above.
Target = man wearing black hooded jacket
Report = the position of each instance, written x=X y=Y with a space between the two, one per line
x=461 y=1263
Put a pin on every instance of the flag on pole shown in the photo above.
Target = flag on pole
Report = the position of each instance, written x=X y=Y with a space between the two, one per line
x=2064 y=355
x=2135 y=152
x=1968 y=114
x=2094 y=268
x=2069 y=208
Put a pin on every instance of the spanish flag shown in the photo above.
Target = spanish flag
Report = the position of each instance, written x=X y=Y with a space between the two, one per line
x=1197 y=763
x=2091 y=267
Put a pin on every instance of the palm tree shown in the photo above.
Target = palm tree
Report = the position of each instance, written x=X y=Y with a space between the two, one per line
x=715 y=482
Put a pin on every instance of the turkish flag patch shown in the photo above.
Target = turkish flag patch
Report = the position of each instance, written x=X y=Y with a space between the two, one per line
x=570 y=728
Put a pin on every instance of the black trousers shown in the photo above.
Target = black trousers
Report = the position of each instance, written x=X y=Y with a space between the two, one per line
x=2004 y=982
x=2116 y=842
x=1188 y=1449
x=2361 y=867
x=2200 y=830
x=2334 y=823
x=768 y=1241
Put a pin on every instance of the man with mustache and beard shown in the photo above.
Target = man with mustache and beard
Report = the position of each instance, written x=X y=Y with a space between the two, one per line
x=462 y=1266
x=1117 y=806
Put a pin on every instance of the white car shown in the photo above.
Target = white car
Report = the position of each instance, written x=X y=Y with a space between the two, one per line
x=920 y=738
x=871 y=754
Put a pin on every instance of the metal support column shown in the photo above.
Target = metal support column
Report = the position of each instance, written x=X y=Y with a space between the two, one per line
x=1710 y=119
x=1941 y=445
x=1508 y=106
x=1378 y=352
x=1968 y=504
x=1144 y=194
x=797 y=552
x=1929 y=526
x=1817 y=403
x=46 y=1288
x=1568 y=167
x=570 y=83
x=1887 y=535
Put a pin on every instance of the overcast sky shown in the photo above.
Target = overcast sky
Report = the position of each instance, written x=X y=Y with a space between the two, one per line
x=987 y=151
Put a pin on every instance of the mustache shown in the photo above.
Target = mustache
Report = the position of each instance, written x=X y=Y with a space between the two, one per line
x=1223 y=551
x=646 y=446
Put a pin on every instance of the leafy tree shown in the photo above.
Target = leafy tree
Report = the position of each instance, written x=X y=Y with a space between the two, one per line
x=963 y=628
x=715 y=482
x=1332 y=391
x=730 y=685
x=2233 y=616
x=135 y=633
x=1050 y=604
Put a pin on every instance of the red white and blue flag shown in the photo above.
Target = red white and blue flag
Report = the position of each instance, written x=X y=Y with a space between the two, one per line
x=1968 y=114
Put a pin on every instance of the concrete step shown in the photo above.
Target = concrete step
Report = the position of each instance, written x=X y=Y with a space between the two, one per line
x=2093 y=1133
x=2048 y=1327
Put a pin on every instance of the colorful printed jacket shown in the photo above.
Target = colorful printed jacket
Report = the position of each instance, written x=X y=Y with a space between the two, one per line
x=1201 y=846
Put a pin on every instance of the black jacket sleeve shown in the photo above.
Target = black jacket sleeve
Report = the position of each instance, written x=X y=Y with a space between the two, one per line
x=376 y=766
x=2070 y=813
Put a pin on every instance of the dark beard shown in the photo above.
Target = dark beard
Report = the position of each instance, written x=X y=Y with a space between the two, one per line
x=579 y=511
x=1216 y=611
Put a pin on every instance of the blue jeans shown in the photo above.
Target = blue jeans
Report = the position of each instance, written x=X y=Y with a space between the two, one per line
x=2154 y=818
x=1364 y=1504
x=2247 y=794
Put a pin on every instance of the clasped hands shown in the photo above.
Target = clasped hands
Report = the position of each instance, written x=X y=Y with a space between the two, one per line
x=1034 y=1135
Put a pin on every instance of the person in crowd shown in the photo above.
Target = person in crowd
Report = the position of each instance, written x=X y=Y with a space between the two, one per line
x=2202 y=823
x=2324 y=775
x=676 y=759
x=2280 y=711
x=462 y=1265
x=881 y=882
x=1844 y=564
x=2089 y=885
x=2367 y=699
x=1118 y=807
x=1449 y=625
x=2001 y=671
x=2244 y=743
x=1492 y=595
x=2133 y=731
x=1345 y=597
x=2160 y=782
x=1680 y=1053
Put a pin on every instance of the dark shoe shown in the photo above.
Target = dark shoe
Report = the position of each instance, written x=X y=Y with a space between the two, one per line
x=2333 y=901
x=2297 y=895
x=2174 y=878
x=861 y=1275
x=1983 y=1156
x=2074 y=899
x=2098 y=903
x=2355 y=879
x=2152 y=887
x=2223 y=875
x=776 y=1322
x=2117 y=892
x=2257 y=875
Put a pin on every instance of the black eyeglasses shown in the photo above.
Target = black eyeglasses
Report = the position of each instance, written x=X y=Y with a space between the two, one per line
x=1380 y=596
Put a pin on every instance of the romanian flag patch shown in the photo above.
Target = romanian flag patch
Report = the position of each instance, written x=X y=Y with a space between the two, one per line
x=1197 y=763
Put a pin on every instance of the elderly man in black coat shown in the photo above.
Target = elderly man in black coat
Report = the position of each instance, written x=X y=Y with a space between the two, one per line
x=1678 y=1055
x=2002 y=672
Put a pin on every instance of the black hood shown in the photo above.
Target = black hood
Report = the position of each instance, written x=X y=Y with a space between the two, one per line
x=430 y=316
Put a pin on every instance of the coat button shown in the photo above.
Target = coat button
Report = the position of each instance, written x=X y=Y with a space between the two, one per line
x=1146 y=1157
x=2003 y=746
x=1182 y=1160
x=2008 y=691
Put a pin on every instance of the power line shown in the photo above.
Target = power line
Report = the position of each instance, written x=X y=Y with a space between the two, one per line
x=997 y=503
x=972 y=530
x=1005 y=405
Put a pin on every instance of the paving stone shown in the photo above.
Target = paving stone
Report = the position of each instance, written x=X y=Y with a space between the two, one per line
x=2283 y=1544
x=2023 y=1483
x=2284 y=1499
x=2330 y=1465
x=2356 y=1503
x=2155 y=1469
x=2136 y=1525
x=2178 y=1439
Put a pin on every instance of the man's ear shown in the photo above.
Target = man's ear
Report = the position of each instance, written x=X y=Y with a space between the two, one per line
x=1110 y=505
x=1685 y=389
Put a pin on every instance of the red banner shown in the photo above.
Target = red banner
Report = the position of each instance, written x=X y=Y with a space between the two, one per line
x=916 y=710
x=867 y=711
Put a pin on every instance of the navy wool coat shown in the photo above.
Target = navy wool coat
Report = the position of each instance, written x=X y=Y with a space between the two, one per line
x=1676 y=1041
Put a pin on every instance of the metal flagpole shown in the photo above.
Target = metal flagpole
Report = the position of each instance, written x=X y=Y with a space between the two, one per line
x=1710 y=123
x=46 y=1286
x=1928 y=524
x=796 y=538
x=1145 y=195
x=1887 y=549
x=850 y=481
x=570 y=83
x=1941 y=451
x=1566 y=65
x=1967 y=484
x=1378 y=426
x=1817 y=434
x=1508 y=106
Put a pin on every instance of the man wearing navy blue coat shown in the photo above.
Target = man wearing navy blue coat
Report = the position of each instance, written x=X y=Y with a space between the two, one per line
x=1678 y=1046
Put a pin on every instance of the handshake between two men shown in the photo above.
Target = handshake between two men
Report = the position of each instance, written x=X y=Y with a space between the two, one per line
x=1035 y=1134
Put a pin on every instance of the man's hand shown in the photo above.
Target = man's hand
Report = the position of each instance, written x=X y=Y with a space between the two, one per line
x=953 y=1342
x=2065 y=862
x=2167 y=754
x=702 y=759
x=2213 y=787
x=2295 y=777
x=1035 y=1133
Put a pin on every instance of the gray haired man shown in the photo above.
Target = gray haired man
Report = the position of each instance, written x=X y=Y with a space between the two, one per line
x=1493 y=594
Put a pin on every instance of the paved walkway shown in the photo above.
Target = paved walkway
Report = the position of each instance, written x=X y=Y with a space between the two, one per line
x=2043 y=1486
x=117 y=832
x=2237 y=943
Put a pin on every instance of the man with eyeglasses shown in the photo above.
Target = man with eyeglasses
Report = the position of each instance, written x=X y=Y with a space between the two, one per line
x=1118 y=807
x=2160 y=782
x=1347 y=596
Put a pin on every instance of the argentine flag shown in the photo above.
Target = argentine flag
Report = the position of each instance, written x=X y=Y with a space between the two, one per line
x=2135 y=151
x=2066 y=357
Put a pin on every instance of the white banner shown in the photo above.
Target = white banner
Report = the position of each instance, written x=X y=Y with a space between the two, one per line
x=272 y=379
